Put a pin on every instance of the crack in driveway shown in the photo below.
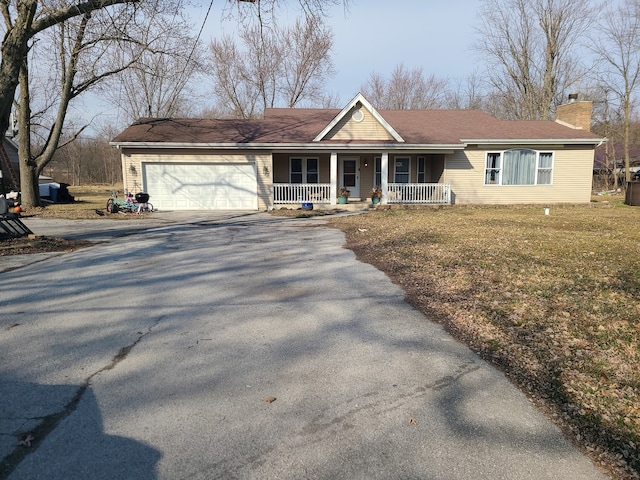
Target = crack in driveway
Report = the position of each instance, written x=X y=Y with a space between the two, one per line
x=50 y=422
x=320 y=424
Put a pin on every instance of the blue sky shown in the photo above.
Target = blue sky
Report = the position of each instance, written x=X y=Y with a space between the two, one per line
x=378 y=35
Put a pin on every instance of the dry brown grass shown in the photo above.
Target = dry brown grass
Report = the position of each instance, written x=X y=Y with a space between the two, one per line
x=90 y=202
x=552 y=300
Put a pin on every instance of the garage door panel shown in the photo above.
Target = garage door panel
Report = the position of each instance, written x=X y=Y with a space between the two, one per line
x=202 y=186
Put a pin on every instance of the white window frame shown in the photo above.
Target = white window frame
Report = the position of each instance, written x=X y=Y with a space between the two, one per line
x=540 y=168
x=305 y=171
x=395 y=169
x=493 y=173
x=377 y=171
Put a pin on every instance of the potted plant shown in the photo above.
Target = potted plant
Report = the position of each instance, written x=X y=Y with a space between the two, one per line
x=343 y=195
x=376 y=194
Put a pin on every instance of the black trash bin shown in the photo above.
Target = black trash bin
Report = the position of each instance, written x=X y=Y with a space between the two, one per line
x=142 y=197
x=632 y=196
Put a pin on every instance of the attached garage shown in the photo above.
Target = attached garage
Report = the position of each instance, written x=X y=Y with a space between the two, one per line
x=200 y=186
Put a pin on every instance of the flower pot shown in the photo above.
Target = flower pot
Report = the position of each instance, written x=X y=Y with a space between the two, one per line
x=375 y=200
x=342 y=199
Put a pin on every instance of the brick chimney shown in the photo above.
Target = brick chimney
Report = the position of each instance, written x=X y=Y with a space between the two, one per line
x=575 y=114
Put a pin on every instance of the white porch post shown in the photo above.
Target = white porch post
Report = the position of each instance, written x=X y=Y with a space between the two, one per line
x=384 y=175
x=333 y=189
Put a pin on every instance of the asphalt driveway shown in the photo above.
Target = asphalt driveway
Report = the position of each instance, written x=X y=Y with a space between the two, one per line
x=247 y=347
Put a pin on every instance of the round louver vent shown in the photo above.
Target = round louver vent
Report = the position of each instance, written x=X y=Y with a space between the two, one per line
x=357 y=115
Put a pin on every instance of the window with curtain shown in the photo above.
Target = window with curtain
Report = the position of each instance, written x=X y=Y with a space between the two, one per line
x=377 y=172
x=545 y=168
x=303 y=170
x=518 y=167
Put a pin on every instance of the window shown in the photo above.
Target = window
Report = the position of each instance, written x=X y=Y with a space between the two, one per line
x=312 y=170
x=401 y=172
x=518 y=167
x=303 y=170
x=377 y=171
x=545 y=168
x=296 y=173
x=492 y=171
x=422 y=163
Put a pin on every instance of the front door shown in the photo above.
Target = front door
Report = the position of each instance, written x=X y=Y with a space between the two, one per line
x=350 y=175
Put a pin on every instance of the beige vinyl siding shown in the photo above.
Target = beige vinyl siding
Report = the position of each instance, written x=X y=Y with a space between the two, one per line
x=435 y=168
x=133 y=179
x=367 y=129
x=281 y=168
x=571 y=181
x=325 y=169
x=366 y=175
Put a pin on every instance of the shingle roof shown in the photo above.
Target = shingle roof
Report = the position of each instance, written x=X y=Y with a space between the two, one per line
x=301 y=126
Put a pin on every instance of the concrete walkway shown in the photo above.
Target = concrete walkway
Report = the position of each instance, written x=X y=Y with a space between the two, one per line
x=247 y=347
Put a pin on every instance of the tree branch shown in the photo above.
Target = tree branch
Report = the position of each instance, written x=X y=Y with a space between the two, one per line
x=63 y=14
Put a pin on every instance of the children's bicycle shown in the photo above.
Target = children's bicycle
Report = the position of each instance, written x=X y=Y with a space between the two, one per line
x=129 y=204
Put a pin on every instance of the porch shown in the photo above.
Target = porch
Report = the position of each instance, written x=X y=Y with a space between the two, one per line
x=395 y=193
x=403 y=178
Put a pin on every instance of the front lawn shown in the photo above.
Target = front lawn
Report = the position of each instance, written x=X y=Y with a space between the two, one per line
x=553 y=300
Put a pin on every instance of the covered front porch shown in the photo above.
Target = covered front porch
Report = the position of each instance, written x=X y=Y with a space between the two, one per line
x=402 y=178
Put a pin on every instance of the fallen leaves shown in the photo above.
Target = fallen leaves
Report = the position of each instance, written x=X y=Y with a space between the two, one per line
x=26 y=245
x=269 y=399
x=26 y=441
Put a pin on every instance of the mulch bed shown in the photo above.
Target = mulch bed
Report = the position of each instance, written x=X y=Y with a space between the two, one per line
x=29 y=245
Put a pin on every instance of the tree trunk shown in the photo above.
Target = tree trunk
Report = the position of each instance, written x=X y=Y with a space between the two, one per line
x=29 y=190
x=627 y=121
x=14 y=50
x=29 y=187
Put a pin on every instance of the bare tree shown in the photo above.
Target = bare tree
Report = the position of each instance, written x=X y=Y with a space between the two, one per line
x=375 y=90
x=157 y=84
x=307 y=62
x=81 y=49
x=23 y=20
x=608 y=123
x=530 y=49
x=271 y=66
x=234 y=88
x=406 y=90
x=617 y=47
x=467 y=94
x=266 y=11
x=87 y=161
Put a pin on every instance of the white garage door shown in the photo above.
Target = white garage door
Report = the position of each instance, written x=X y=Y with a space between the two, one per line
x=201 y=186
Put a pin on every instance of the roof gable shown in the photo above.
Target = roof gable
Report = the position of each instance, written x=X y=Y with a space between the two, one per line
x=359 y=120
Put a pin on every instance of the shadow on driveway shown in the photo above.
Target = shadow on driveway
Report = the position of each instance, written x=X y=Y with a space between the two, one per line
x=31 y=412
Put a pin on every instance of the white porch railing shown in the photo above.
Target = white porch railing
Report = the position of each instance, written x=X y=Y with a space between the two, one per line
x=284 y=193
x=419 y=193
x=402 y=193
